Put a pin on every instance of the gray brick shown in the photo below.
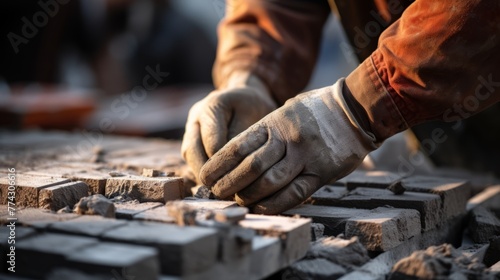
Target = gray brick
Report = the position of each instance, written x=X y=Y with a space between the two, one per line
x=384 y=228
x=183 y=250
x=28 y=188
x=295 y=233
x=117 y=261
x=453 y=192
x=127 y=210
x=370 y=179
x=488 y=198
x=333 y=218
x=37 y=218
x=318 y=269
x=57 y=197
x=37 y=255
x=483 y=225
x=93 y=226
x=144 y=189
x=429 y=205
x=158 y=214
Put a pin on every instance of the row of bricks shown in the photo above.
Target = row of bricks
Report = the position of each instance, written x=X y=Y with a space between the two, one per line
x=182 y=251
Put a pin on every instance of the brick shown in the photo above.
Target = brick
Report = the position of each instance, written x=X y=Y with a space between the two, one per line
x=369 y=179
x=158 y=214
x=295 y=233
x=234 y=242
x=483 y=225
x=345 y=252
x=454 y=193
x=488 y=198
x=182 y=250
x=93 y=226
x=57 y=197
x=333 y=218
x=37 y=255
x=28 y=188
x=429 y=205
x=492 y=255
x=384 y=228
x=320 y=269
x=146 y=189
x=231 y=215
x=37 y=218
x=117 y=261
x=127 y=210
x=209 y=204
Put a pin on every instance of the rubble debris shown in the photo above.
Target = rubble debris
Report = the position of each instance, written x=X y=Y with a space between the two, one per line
x=182 y=213
x=397 y=188
x=97 y=154
x=127 y=209
x=231 y=215
x=65 y=209
x=148 y=172
x=95 y=204
x=116 y=174
x=438 y=262
x=483 y=225
x=314 y=269
x=202 y=192
x=348 y=253
x=317 y=231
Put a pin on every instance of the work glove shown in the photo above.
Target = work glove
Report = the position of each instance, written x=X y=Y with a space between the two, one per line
x=223 y=114
x=284 y=158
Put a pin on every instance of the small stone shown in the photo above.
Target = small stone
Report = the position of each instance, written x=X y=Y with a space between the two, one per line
x=317 y=231
x=315 y=269
x=116 y=174
x=203 y=192
x=147 y=172
x=182 y=213
x=346 y=253
x=95 y=205
x=66 y=209
x=397 y=188
x=231 y=215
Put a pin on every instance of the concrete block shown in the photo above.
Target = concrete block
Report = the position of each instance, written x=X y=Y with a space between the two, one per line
x=429 y=205
x=315 y=269
x=38 y=255
x=57 y=197
x=488 y=198
x=144 y=189
x=182 y=250
x=333 y=218
x=93 y=226
x=37 y=218
x=492 y=254
x=317 y=231
x=234 y=242
x=28 y=188
x=295 y=233
x=127 y=210
x=384 y=228
x=112 y=260
x=454 y=193
x=369 y=179
x=483 y=225
x=158 y=214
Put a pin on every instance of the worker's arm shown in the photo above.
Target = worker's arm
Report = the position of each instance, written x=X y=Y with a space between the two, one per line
x=266 y=53
x=438 y=62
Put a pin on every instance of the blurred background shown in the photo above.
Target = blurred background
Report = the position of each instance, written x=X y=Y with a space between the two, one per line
x=135 y=67
x=131 y=67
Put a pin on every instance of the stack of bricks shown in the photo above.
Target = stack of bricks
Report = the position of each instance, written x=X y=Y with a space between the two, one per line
x=144 y=240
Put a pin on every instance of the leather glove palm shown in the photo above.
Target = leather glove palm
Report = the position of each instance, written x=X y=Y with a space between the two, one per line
x=284 y=158
x=222 y=115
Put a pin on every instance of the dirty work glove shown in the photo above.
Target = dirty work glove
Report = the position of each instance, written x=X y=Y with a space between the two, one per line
x=284 y=158
x=222 y=115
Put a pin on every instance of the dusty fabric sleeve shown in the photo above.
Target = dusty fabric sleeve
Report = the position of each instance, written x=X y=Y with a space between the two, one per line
x=277 y=40
x=439 y=61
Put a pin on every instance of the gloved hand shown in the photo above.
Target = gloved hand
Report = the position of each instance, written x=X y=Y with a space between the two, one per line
x=222 y=115
x=284 y=158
